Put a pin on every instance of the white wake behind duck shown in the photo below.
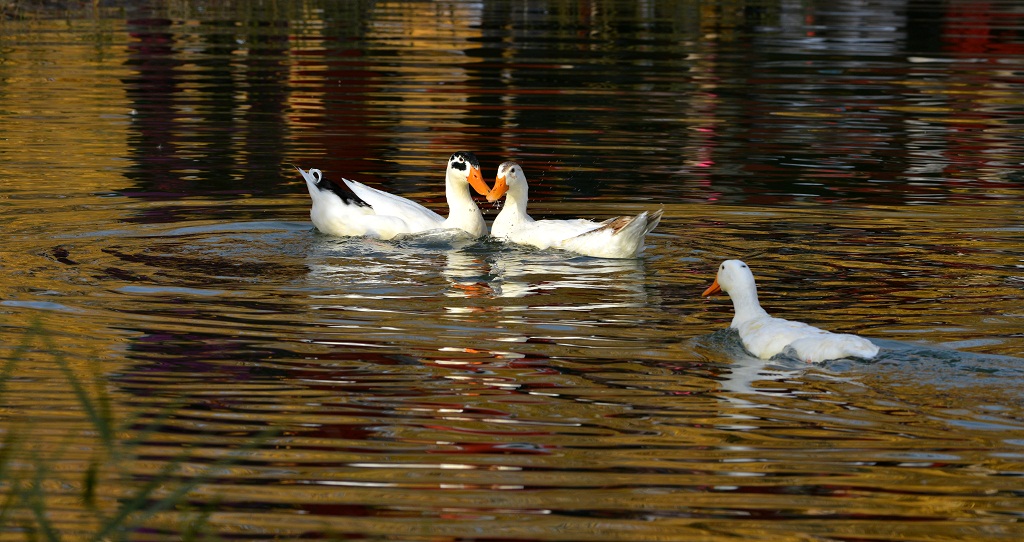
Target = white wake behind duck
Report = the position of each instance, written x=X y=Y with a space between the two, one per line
x=352 y=209
x=621 y=237
x=765 y=336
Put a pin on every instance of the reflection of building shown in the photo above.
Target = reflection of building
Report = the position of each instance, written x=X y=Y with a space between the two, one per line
x=824 y=104
x=207 y=105
x=984 y=97
x=399 y=94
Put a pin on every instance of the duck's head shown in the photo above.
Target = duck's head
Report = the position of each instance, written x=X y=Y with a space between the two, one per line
x=732 y=274
x=463 y=166
x=510 y=176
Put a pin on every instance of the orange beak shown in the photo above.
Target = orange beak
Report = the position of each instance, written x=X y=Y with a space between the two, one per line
x=713 y=289
x=500 y=187
x=476 y=180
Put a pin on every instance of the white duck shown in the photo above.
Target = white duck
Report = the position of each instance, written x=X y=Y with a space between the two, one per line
x=620 y=237
x=354 y=209
x=765 y=336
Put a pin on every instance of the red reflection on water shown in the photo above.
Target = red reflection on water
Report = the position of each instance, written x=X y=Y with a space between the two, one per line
x=983 y=28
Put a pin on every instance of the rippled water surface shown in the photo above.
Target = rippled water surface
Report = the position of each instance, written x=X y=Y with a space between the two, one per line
x=865 y=158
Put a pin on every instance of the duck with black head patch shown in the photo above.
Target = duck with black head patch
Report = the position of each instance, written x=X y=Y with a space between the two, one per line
x=352 y=209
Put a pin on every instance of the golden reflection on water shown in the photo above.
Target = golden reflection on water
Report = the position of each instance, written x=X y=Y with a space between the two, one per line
x=414 y=391
x=417 y=391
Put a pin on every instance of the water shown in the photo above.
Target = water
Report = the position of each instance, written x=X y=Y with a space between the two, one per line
x=863 y=158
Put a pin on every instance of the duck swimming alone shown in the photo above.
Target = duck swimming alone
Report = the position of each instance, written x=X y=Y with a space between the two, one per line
x=354 y=209
x=765 y=336
x=621 y=237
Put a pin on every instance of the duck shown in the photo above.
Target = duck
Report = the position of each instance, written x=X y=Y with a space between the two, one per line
x=620 y=237
x=352 y=209
x=765 y=336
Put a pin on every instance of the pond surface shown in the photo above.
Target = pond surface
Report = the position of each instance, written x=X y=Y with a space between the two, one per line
x=865 y=158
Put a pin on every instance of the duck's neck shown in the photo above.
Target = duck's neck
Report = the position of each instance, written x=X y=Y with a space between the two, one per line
x=463 y=212
x=745 y=305
x=513 y=213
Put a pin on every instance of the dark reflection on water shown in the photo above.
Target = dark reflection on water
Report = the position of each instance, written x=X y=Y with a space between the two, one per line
x=864 y=103
x=210 y=123
x=864 y=158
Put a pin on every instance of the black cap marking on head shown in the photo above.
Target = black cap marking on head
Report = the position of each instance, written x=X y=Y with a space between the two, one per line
x=461 y=158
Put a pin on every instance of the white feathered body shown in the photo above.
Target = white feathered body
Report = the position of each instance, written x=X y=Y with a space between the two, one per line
x=621 y=237
x=387 y=216
x=615 y=238
x=354 y=209
x=765 y=336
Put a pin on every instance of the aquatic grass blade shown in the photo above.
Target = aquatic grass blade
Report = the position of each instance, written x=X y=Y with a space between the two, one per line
x=36 y=499
x=135 y=511
x=97 y=411
x=136 y=503
x=176 y=496
x=6 y=453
